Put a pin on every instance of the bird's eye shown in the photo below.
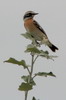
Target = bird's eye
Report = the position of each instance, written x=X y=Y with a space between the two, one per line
x=27 y=15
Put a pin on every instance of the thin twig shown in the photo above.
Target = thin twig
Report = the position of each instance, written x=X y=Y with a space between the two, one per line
x=28 y=70
x=35 y=58
x=33 y=76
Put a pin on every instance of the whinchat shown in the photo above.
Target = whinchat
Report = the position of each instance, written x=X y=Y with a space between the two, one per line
x=36 y=30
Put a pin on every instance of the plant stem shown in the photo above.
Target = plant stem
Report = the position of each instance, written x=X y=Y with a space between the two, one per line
x=26 y=93
x=35 y=58
x=30 y=74
x=28 y=70
x=32 y=62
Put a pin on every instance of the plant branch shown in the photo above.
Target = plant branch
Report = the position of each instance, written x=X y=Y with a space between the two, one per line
x=32 y=62
x=30 y=73
x=28 y=70
x=35 y=59
x=33 y=76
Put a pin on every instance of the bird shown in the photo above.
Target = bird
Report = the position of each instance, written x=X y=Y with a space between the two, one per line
x=36 y=31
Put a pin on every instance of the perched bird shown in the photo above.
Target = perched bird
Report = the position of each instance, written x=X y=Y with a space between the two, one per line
x=36 y=30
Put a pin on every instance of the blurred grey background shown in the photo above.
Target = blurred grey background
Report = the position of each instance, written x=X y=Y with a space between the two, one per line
x=52 y=17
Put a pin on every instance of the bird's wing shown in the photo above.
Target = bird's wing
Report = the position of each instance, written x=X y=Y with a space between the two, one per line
x=39 y=27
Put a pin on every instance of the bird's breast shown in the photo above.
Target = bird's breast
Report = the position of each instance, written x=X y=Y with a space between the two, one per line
x=31 y=28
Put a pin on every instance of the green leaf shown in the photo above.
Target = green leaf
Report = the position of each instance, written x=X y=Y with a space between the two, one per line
x=27 y=36
x=32 y=82
x=26 y=79
x=46 y=55
x=45 y=74
x=32 y=48
x=30 y=37
x=25 y=87
x=51 y=57
x=33 y=98
x=14 y=61
x=44 y=52
x=51 y=74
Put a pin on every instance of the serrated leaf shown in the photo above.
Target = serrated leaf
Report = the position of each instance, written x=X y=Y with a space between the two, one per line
x=45 y=74
x=14 y=61
x=33 y=98
x=25 y=87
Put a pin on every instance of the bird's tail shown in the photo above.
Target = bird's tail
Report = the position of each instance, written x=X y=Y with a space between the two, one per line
x=52 y=47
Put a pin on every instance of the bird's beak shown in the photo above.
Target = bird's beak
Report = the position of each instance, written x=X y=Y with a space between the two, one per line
x=35 y=13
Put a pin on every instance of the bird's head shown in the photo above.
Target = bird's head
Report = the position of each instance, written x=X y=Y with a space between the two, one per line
x=29 y=14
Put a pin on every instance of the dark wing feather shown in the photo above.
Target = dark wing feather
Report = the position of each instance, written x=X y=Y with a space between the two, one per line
x=39 y=27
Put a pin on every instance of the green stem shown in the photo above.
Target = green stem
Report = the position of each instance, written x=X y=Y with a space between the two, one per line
x=32 y=65
x=30 y=73
x=35 y=58
x=34 y=76
x=26 y=93
x=28 y=70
